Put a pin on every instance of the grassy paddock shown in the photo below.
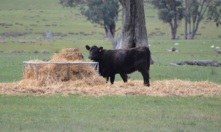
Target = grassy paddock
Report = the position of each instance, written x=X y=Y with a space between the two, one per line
x=110 y=113
x=47 y=15
x=189 y=50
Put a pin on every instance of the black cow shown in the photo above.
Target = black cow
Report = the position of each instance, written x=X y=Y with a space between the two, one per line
x=122 y=61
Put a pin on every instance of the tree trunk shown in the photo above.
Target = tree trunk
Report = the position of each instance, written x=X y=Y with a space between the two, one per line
x=195 y=28
x=173 y=23
x=110 y=29
x=186 y=19
x=197 y=18
x=134 y=32
x=173 y=26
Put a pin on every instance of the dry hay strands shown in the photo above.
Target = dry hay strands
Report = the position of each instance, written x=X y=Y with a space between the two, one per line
x=133 y=87
x=51 y=73
x=85 y=80
x=184 y=88
x=68 y=54
x=30 y=70
x=48 y=74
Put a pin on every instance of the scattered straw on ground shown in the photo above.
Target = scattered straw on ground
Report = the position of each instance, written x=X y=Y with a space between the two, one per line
x=52 y=80
x=135 y=87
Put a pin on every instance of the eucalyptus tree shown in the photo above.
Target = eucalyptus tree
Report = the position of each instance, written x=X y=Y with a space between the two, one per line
x=134 y=32
x=195 y=12
x=105 y=12
x=171 y=12
x=214 y=12
x=102 y=12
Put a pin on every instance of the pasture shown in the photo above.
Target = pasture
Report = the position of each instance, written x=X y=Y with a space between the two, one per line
x=110 y=113
x=23 y=27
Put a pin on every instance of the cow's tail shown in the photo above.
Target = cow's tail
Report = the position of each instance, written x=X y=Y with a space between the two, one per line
x=150 y=58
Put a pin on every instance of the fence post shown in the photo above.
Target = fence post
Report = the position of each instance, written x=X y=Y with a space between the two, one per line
x=36 y=68
x=68 y=71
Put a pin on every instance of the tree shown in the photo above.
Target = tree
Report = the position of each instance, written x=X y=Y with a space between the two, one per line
x=133 y=24
x=71 y=3
x=171 y=12
x=214 y=12
x=134 y=32
x=186 y=18
x=195 y=13
x=102 y=12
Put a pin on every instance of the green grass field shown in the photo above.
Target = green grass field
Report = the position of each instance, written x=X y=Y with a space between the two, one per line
x=107 y=113
x=110 y=113
x=34 y=19
x=12 y=70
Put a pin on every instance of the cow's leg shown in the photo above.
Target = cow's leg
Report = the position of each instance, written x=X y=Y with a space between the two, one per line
x=107 y=79
x=124 y=77
x=145 y=74
x=112 y=78
x=148 y=79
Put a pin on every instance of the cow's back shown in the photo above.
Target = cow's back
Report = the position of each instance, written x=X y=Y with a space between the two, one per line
x=124 y=60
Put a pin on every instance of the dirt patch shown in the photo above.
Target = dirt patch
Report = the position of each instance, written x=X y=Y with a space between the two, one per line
x=54 y=80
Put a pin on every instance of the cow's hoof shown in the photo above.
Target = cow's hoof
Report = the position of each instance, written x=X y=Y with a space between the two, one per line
x=147 y=84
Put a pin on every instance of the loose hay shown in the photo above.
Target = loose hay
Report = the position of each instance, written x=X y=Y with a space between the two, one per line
x=90 y=83
x=48 y=74
x=135 y=87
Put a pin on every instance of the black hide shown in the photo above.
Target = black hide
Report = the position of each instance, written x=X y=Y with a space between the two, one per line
x=122 y=61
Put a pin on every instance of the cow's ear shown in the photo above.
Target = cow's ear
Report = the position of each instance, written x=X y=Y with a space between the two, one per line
x=100 y=49
x=87 y=47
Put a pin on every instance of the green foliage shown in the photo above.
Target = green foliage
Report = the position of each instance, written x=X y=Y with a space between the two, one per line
x=70 y=3
x=171 y=12
x=102 y=12
x=214 y=12
x=195 y=11
x=169 y=9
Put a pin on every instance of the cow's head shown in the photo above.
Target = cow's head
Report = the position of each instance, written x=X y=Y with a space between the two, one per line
x=94 y=52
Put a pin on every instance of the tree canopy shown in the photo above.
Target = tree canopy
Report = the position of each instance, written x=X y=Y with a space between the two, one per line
x=102 y=12
x=214 y=12
x=170 y=11
x=196 y=11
